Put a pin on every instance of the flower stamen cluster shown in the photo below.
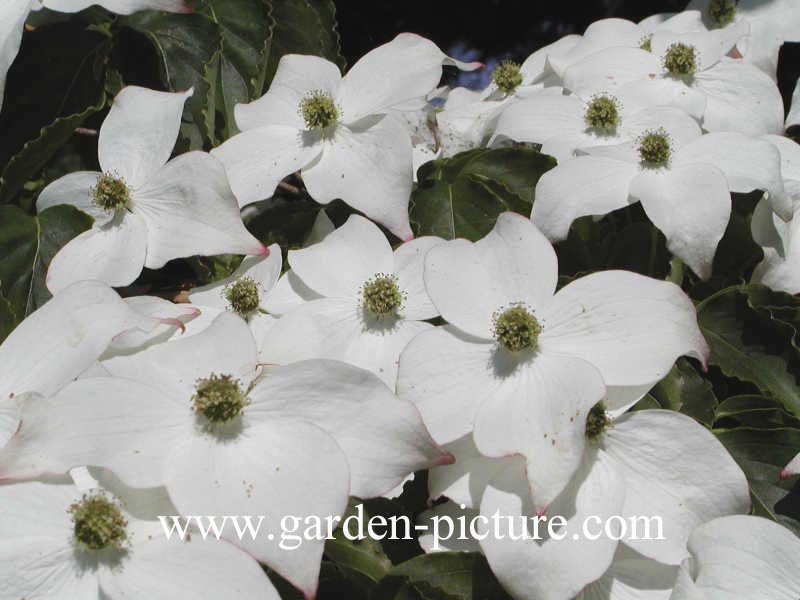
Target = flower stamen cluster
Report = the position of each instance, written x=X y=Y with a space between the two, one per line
x=681 y=59
x=721 y=12
x=597 y=421
x=507 y=76
x=219 y=398
x=381 y=295
x=655 y=148
x=319 y=110
x=110 y=193
x=98 y=523
x=515 y=328
x=242 y=296
x=602 y=113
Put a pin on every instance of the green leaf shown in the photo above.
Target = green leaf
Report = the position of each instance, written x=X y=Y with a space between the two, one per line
x=441 y=576
x=684 y=390
x=8 y=319
x=462 y=196
x=28 y=244
x=752 y=334
x=364 y=559
x=750 y=410
x=303 y=27
x=56 y=83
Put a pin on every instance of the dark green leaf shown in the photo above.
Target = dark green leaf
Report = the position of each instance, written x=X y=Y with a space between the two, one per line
x=27 y=245
x=462 y=196
x=754 y=342
x=441 y=576
x=684 y=390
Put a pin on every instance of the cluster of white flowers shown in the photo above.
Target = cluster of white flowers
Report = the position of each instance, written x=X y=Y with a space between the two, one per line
x=284 y=394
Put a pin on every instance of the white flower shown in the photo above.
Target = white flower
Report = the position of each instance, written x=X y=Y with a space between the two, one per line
x=643 y=464
x=57 y=342
x=146 y=210
x=245 y=292
x=793 y=118
x=368 y=301
x=771 y=24
x=690 y=71
x=522 y=366
x=737 y=557
x=682 y=178
x=339 y=131
x=192 y=416
x=59 y=541
x=14 y=12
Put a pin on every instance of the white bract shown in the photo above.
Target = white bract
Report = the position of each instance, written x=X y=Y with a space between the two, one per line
x=682 y=178
x=522 y=366
x=59 y=541
x=194 y=416
x=147 y=209
x=338 y=131
x=14 y=12
x=737 y=557
x=366 y=303
x=59 y=341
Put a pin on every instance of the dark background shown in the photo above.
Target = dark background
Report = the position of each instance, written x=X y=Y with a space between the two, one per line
x=497 y=29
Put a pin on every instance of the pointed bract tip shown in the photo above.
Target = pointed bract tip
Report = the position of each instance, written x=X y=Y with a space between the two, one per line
x=185 y=8
x=408 y=238
x=786 y=473
x=177 y=323
x=262 y=251
x=540 y=511
x=311 y=592
x=444 y=459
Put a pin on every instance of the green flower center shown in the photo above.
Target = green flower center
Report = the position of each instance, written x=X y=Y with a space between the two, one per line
x=110 y=193
x=655 y=148
x=597 y=421
x=507 y=76
x=721 y=12
x=242 y=296
x=646 y=43
x=681 y=59
x=515 y=328
x=219 y=398
x=98 y=523
x=382 y=295
x=603 y=113
x=319 y=110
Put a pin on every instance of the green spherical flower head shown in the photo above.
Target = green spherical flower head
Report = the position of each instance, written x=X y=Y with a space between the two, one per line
x=515 y=328
x=655 y=148
x=242 y=296
x=219 y=398
x=603 y=113
x=507 y=76
x=319 y=110
x=721 y=12
x=597 y=421
x=98 y=523
x=382 y=295
x=647 y=43
x=110 y=192
x=681 y=59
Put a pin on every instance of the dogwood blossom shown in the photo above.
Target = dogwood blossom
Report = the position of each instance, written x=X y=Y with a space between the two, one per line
x=639 y=465
x=14 y=12
x=682 y=178
x=689 y=71
x=146 y=210
x=740 y=556
x=59 y=541
x=369 y=301
x=516 y=348
x=338 y=131
x=223 y=441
